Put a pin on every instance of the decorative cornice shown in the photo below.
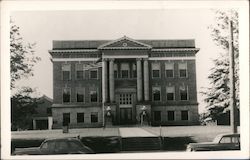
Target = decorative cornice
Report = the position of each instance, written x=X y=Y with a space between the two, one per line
x=171 y=58
x=73 y=59
x=124 y=48
x=175 y=49
x=124 y=56
x=73 y=51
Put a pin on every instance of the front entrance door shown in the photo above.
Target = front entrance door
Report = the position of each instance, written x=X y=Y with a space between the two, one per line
x=125 y=104
x=125 y=115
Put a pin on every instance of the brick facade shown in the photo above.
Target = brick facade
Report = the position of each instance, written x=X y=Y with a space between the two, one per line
x=126 y=54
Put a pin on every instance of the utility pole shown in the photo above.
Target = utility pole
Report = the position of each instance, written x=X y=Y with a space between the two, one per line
x=232 y=81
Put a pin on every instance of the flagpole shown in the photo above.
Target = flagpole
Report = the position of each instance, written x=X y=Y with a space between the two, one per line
x=103 y=93
x=232 y=81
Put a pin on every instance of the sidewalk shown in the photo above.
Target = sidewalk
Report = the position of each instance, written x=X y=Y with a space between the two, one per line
x=83 y=132
x=135 y=132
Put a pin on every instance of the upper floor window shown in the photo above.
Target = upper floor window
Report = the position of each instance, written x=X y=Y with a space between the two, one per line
x=124 y=70
x=115 y=70
x=79 y=71
x=66 y=68
x=169 y=69
x=156 y=70
x=156 y=93
x=80 y=94
x=184 y=115
x=182 y=69
x=93 y=74
x=134 y=70
x=93 y=95
x=66 y=95
x=183 y=92
x=170 y=93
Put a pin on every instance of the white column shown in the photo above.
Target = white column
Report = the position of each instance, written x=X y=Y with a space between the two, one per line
x=146 y=80
x=105 y=80
x=50 y=122
x=34 y=124
x=139 y=79
x=111 y=80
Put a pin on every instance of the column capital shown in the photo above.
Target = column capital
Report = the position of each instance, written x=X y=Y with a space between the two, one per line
x=138 y=59
x=105 y=59
x=145 y=59
x=111 y=59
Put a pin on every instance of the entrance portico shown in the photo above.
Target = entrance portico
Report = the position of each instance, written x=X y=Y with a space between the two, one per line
x=134 y=56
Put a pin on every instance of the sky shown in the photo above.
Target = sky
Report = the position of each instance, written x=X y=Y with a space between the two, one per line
x=42 y=27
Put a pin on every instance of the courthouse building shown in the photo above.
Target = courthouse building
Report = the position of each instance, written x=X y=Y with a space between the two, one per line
x=124 y=81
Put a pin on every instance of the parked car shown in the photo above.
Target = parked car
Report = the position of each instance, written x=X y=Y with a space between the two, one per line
x=56 y=146
x=220 y=142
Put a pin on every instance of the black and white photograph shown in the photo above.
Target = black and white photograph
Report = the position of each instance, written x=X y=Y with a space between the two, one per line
x=120 y=79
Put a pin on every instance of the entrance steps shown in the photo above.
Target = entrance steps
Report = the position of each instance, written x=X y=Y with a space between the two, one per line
x=140 y=143
x=138 y=139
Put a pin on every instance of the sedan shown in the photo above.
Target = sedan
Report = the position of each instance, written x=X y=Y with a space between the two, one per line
x=220 y=142
x=56 y=146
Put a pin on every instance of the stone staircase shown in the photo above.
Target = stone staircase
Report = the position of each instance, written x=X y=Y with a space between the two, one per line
x=140 y=143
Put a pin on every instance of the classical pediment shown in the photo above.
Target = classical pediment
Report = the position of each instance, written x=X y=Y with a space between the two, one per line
x=124 y=43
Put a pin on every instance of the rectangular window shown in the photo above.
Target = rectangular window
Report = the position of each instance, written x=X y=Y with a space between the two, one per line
x=156 y=93
x=134 y=70
x=66 y=95
x=170 y=93
x=93 y=95
x=124 y=70
x=182 y=70
x=80 y=117
x=157 y=116
x=184 y=115
x=94 y=117
x=93 y=74
x=66 y=68
x=80 y=94
x=79 y=72
x=183 y=93
x=171 y=116
x=66 y=119
x=169 y=68
x=156 y=70
x=115 y=71
x=125 y=98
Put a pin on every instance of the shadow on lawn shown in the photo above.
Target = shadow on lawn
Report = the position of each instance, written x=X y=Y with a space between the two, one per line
x=111 y=144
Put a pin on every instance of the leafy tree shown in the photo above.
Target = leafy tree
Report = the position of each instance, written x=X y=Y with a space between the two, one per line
x=22 y=58
x=23 y=107
x=217 y=96
x=22 y=61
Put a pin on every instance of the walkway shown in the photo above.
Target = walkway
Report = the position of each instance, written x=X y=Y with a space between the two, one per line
x=135 y=132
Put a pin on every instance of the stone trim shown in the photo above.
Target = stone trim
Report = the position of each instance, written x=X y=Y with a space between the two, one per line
x=175 y=49
x=171 y=58
x=73 y=50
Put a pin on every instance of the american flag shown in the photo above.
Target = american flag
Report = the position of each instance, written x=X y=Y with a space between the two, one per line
x=93 y=65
